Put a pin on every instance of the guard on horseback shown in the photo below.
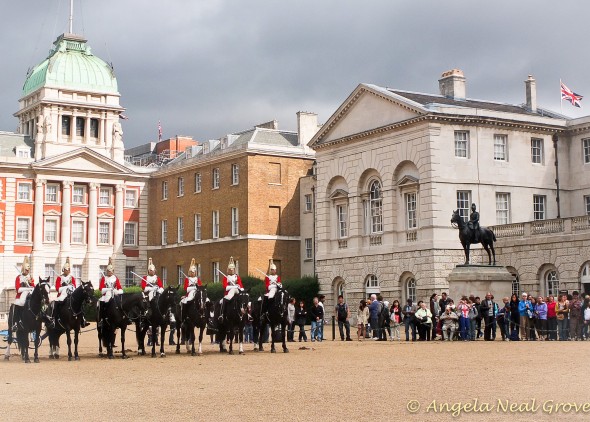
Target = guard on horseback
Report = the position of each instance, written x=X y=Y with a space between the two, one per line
x=473 y=223
x=24 y=285
x=232 y=284
x=151 y=284
x=273 y=282
x=64 y=285
x=109 y=286
x=191 y=283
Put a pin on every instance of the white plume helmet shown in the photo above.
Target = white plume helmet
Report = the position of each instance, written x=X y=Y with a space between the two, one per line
x=193 y=267
x=231 y=265
x=66 y=266
x=272 y=265
x=110 y=266
x=151 y=266
x=26 y=265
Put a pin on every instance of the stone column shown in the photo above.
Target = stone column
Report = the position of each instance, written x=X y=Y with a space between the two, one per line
x=38 y=215
x=92 y=215
x=119 y=224
x=101 y=124
x=87 y=127
x=66 y=219
x=58 y=134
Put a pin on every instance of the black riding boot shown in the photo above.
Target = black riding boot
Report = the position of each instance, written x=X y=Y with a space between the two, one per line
x=101 y=312
x=55 y=314
x=16 y=317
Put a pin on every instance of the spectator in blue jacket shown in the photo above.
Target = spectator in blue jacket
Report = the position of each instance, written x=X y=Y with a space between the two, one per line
x=374 y=309
x=525 y=311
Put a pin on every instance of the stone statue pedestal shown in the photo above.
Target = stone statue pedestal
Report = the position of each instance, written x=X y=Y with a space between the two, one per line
x=477 y=280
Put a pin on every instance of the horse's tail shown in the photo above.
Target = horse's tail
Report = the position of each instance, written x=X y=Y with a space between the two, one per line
x=493 y=235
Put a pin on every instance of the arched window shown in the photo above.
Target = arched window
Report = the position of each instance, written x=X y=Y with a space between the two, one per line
x=376 y=206
x=372 y=284
x=411 y=289
x=339 y=287
x=585 y=278
x=552 y=283
x=516 y=285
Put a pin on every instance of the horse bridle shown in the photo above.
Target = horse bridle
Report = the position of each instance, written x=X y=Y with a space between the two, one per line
x=44 y=299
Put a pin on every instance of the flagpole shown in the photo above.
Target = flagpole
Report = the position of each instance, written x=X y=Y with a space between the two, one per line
x=560 y=99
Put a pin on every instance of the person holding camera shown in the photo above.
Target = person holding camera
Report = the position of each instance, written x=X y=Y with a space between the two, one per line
x=424 y=319
x=525 y=311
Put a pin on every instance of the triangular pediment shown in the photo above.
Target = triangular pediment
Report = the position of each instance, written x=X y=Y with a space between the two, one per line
x=106 y=215
x=52 y=213
x=407 y=180
x=339 y=193
x=369 y=107
x=82 y=160
x=79 y=214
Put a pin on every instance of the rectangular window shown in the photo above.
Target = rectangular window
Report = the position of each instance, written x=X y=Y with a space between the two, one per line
x=131 y=198
x=51 y=193
x=274 y=173
x=308 y=248
x=500 y=147
x=215 y=222
x=78 y=231
x=80 y=123
x=103 y=270
x=164 y=190
x=539 y=207
x=197 y=226
x=215 y=179
x=197 y=182
x=463 y=203
x=586 y=150
x=587 y=203
x=51 y=230
x=199 y=270
x=461 y=143
x=23 y=229
x=181 y=186
x=65 y=125
x=130 y=238
x=94 y=128
x=24 y=191
x=342 y=214
x=308 y=203
x=129 y=281
x=502 y=208
x=23 y=152
x=235 y=174
x=78 y=195
x=215 y=269
x=104 y=197
x=180 y=222
x=234 y=222
x=77 y=271
x=179 y=273
x=164 y=274
x=537 y=151
x=104 y=232
x=50 y=272
x=164 y=232
x=411 y=221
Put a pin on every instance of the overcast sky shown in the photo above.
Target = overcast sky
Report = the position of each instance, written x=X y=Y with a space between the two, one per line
x=206 y=68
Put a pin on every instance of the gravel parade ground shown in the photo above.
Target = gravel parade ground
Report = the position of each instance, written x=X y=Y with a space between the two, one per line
x=331 y=381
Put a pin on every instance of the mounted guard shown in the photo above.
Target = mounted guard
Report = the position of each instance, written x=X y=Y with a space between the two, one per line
x=191 y=282
x=273 y=282
x=64 y=285
x=232 y=284
x=110 y=286
x=151 y=284
x=24 y=285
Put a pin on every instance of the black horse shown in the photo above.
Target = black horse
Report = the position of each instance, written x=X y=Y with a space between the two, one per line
x=234 y=319
x=486 y=238
x=276 y=316
x=119 y=312
x=158 y=317
x=189 y=316
x=70 y=318
x=31 y=320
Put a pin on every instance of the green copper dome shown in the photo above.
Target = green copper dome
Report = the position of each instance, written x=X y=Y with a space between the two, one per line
x=71 y=65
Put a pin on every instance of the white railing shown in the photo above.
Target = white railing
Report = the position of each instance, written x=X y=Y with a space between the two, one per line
x=411 y=235
x=375 y=240
x=509 y=230
x=581 y=223
x=547 y=226
x=342 y=244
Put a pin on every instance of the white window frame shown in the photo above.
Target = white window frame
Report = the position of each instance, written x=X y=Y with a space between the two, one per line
x=108 y=197
x=198 y=182
x=308 y=203
x=502 y=208
x=130 y=198
x=179 y=274
x=50 y=272
x=181 y=186
x=164 y=190
x=48 y=200
x=215 y=224
x=464 y=203
x=164 y=232
x=411 y=201
x=215 y=178
x=539 y=207
x=101 y=224
x=130 y=229
x=215 y=269
x=56 y=234
x=83 y=195
x=235 y=222
x=309 y=248
x=587 y=204
x=180 y=229
x=376 y=207
x=83 y=238
x=342 y=219
x=500 y=147
x=77 y=271
x=537 y=150
x=129 y=270
x=198 y=227
x=552 y=283
x=164 y=274
x=462 y=144
x=586 y=150
x=23 y=235
x=199 y=270
x=411 y=292
x=372 y=284
x=23 y=152
x=24 y=195
x=235 y=174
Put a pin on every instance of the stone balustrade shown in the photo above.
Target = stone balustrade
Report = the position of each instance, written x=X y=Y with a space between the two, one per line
x=534 y=228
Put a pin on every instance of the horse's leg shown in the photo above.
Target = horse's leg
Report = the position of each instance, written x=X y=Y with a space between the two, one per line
x=241 y=338
x=123 y=353
x=177 y=329
x=23 y=343
x=76 y=334
x=493 y=252
x=272 y=338
x=261 y=329
x=283 y=334
x=467 y=247
x=162 y=337
x=487 y=249
x=230 y=336
x=69 y=337
x=37 y=339
x=153 y=336
x=201 y=332
x=193 y=338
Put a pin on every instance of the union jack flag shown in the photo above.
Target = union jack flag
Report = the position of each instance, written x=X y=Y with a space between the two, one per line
x=571 y=96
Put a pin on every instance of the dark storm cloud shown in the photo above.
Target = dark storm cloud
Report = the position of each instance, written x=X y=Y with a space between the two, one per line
x=207 y=68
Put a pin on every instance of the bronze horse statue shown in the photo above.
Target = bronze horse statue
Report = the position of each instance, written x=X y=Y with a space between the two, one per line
x=467 y=238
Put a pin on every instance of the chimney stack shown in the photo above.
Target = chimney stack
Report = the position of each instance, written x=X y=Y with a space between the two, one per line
x=307 y=126
x=452 y=84
x=531 y=94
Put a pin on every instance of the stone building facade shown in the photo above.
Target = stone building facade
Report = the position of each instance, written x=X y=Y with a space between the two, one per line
x=392 y=166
